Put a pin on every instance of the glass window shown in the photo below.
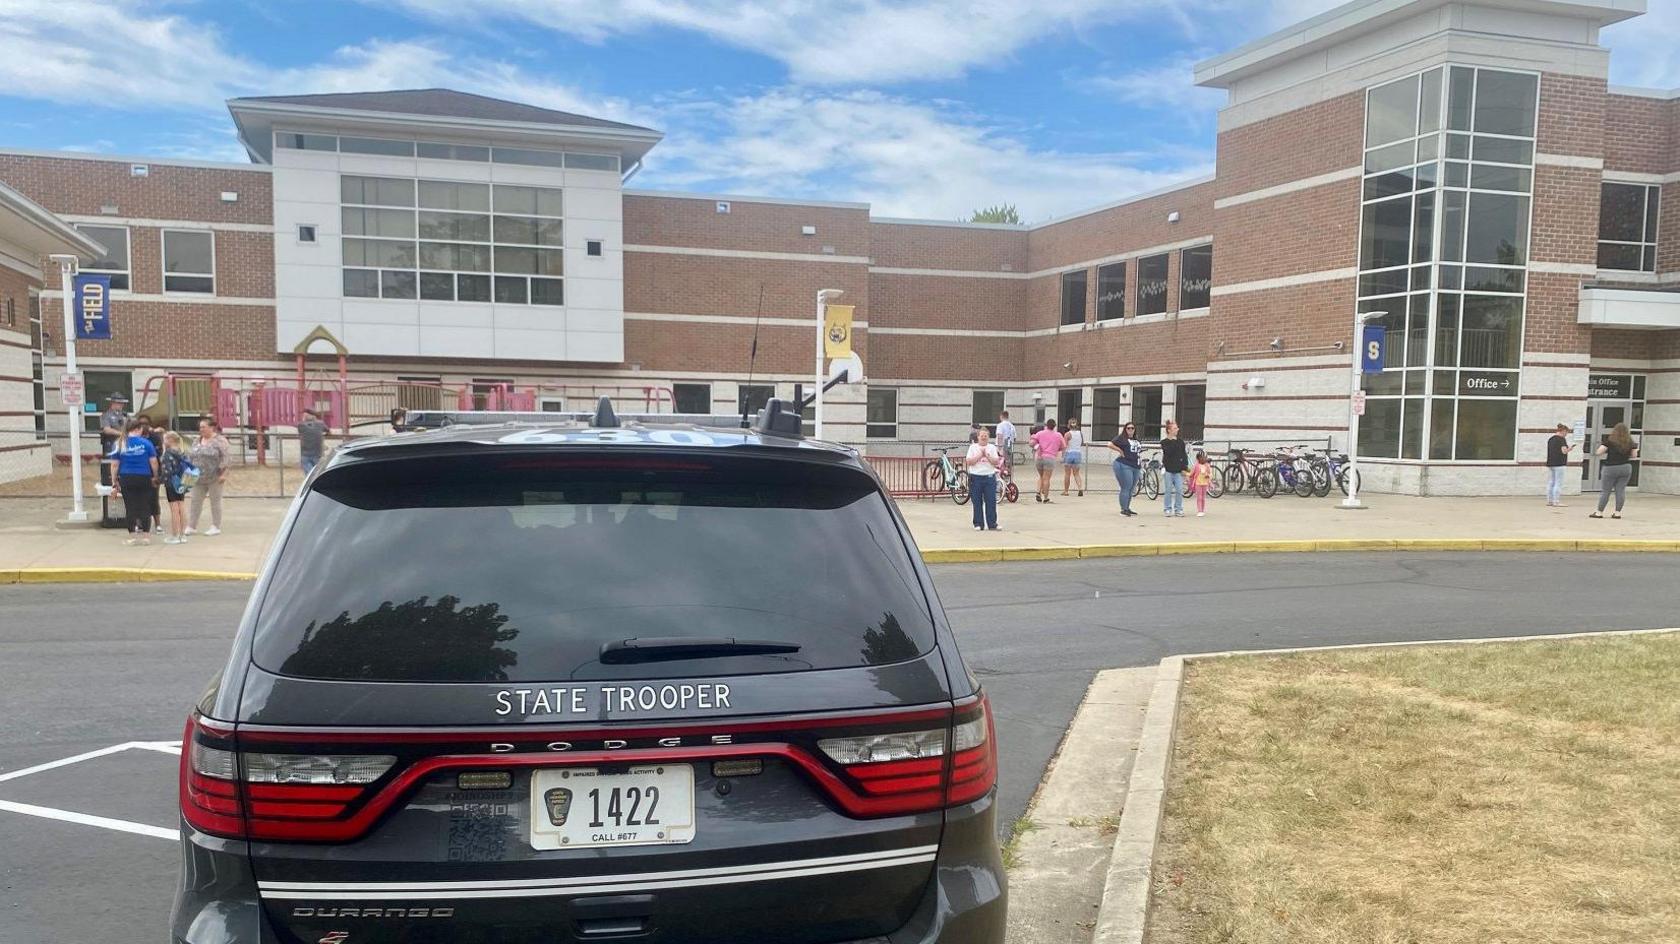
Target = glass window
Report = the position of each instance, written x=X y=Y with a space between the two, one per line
x=528 y=231
x=467 y=227
x=988 y=405
x=1388 y=184
x=1504 y=150
x=1497 y=229
x=692 y=398
x=450 y=195
x=1073 y=297
x=1423 y=228
x=189 y=261
x=1111 y=291
x=1492 y=331
x=519 y=261
x=529 y=201
x=1496 y=177
x=437 y=286
x=576 y=161
x=305 y=142
x=1195 y=272
x=377 y=191
x=1505 y=102
x=378 y=253
x=458 y=257
x=361 y=283
x=1477 y=279
x=1445 y=412
x=366 y=221
x=1429 y=105
x=472 y=288
x=1487 y=429
x=1627 y=226
x=383 y=146
x=393 y=284
x=547 y=292
x=470 y=607
x=750 y=398
x=1386 y=234
x=511 y=291
x=1379 y=429
x=1452 y=226
x=1152 y=284
x=115 y=260
x=1461 y=89
x=1391 y=112
x=528 y=156
x=882 y=413
x=452 y=152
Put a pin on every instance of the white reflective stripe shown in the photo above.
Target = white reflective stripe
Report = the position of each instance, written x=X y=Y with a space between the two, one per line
x=734 y=873
x=610 y=886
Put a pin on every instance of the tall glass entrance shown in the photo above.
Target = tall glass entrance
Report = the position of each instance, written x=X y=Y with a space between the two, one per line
x=1611 y=399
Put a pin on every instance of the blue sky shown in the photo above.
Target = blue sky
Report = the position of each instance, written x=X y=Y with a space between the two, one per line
x=923 y=108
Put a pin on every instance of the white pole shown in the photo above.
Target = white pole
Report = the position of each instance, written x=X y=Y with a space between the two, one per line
x=66 y=270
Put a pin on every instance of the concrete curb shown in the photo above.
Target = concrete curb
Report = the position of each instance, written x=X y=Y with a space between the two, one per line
x=979 y=555
x=1124 y=913
x=113 y=575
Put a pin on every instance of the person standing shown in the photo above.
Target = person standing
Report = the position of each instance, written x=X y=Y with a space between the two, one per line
x=137 y=476
x=172 y=467
x=1005 y=438
x=211 y=454
x=112 y=423
x=1558 y=448
x=1128 y=456
x=1073 y=460
x=312 y=437
x=1201 y=479
x=1175 y=461
x=1047 y=445
x=1618 y=452
x=155 y=434
x=983 y=463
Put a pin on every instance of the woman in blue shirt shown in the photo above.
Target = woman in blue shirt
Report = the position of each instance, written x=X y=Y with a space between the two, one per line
x=137 y=476
x=1129 y=453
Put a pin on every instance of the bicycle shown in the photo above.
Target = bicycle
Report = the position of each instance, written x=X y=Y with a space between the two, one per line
x=1329 y=468
x=1149 y=478
x=941 y=475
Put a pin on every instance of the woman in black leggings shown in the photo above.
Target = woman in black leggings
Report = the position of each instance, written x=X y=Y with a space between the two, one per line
x=137 y=476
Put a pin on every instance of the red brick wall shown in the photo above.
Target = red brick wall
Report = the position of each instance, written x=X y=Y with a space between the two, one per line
x=1318 y=139
x=167 y=192
x=1637 y=136
x=1304 y=231
x=1571 y=119
x=173 y=331
x=14 y=298
x=904 y=246
x=1136 y=225
x=952 y=302
x=1565 y=221
x=942 y=357
x=1305 y=316
x=763 y=227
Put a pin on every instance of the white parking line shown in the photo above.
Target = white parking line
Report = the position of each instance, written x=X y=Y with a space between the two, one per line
x=49 y=765
x=162 y=747
x=84 y=819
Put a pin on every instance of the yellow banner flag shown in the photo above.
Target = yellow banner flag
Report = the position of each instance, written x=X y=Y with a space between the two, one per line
x=837 y=330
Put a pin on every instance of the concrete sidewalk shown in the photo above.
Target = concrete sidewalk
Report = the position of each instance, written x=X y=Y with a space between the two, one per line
x=32 y=548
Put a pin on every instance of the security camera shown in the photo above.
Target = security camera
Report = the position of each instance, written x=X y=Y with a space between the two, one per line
x=1067 y=365
x=1277 y=344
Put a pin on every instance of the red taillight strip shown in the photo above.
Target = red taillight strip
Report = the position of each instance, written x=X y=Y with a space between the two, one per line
x=206 y=803
x=305 y=792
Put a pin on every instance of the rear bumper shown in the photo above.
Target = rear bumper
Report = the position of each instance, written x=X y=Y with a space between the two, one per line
x=964 y=902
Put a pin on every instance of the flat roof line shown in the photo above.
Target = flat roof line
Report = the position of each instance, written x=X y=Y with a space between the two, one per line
x=1639 y=91
x=135 y=159
x=1134 y=198
x=961 y=224
x=739 y=198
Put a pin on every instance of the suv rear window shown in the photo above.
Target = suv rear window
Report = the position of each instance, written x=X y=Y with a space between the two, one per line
x=521 y=567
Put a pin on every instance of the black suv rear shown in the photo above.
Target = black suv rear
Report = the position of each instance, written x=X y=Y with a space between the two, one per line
x=546 y=683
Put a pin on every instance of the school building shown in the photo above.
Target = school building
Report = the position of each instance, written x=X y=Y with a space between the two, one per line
x=1460 y=173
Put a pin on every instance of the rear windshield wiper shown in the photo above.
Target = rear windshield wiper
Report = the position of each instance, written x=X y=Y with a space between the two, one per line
x=672 y=648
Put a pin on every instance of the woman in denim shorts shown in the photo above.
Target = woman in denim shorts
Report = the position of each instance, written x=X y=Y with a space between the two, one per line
x=1073 y=460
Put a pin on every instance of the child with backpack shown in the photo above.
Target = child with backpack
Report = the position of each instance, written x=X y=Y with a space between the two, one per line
x=178 y=475
x=1201 y=479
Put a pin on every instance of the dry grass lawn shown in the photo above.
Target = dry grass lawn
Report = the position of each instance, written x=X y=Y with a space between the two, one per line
x=1510 y=792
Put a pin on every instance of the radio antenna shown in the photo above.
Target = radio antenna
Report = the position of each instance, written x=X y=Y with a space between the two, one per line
x=752 y=359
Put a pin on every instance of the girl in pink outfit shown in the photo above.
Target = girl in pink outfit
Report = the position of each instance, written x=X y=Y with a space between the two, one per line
x=1201 y=479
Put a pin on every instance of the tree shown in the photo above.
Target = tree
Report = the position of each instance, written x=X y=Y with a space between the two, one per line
x=1002 y=213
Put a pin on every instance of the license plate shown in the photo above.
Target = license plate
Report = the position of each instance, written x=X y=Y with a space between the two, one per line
x=574 y=808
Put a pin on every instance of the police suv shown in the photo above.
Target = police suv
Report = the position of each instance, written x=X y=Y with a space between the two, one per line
x=581 y=678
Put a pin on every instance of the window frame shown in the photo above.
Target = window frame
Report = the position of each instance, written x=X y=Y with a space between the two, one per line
x=163 y=266
x=1646 y=225
x=127 y=272
x=1121 y=298
x=880 y=429
x=1082 y=276
x=988 y=419
x=1166 y=285
x=1184 y=254
x=676 y=396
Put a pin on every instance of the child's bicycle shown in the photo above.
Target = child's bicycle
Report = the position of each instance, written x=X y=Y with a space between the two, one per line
x=942 y=475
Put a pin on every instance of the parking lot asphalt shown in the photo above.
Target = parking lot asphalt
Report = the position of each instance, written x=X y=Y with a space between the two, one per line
x=86 y=854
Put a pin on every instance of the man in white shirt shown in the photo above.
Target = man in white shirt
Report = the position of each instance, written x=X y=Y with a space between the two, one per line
x=1005 y=437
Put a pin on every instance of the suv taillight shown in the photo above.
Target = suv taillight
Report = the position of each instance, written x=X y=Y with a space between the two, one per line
x=916 y=771
x=296 y=797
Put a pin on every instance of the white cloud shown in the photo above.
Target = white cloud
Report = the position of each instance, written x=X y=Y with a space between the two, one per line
x=905 y=158
x=1643 y=50
x=1166 y=86
x=825 y=41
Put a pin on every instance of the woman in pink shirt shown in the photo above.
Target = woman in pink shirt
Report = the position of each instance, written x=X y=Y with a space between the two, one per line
x=1047 y=446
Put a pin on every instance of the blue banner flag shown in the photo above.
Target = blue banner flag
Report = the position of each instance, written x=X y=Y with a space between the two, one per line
x=91 y=307
x=1371 y=349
